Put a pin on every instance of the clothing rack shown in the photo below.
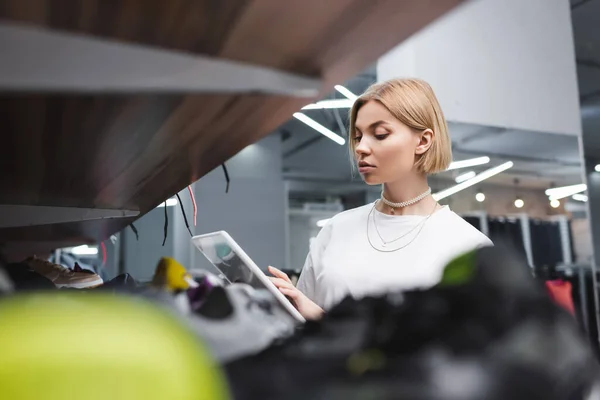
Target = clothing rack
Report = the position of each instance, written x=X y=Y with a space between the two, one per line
x=478 y=219
x=584 y=281
x=486 y=224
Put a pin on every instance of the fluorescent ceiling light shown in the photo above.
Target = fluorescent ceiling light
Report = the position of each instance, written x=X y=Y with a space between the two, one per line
x=322 y=222
x=565 y=191
x=170 y=203
x=320 y=128
x=471 y=162
x=84 y=250
x=465 y=177
x=580 y=197
x=325 y=104
x=488 y=173
x=344 y=91
x=562 y=189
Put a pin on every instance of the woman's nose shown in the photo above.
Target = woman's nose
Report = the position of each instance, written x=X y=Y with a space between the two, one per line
x=362 y=148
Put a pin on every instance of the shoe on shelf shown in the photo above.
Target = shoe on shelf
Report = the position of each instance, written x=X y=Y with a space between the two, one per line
x=77 y=268
x=63 y=277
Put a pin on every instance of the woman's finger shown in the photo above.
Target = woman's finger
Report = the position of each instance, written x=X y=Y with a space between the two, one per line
x=279 y=283
x=279 y=274
x=292 y=294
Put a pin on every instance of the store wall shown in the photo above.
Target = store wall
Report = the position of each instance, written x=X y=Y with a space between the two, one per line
x=499 y=201
x=508 y=63
x=582 y=240
x=302 y=228
x=253 y=212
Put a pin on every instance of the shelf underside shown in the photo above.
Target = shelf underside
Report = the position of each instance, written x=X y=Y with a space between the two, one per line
x=131 y=147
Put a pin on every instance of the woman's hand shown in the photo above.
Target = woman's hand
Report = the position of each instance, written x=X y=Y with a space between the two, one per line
x=303 y=304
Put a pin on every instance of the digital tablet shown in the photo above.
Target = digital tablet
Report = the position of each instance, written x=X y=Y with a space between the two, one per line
x=237 y=267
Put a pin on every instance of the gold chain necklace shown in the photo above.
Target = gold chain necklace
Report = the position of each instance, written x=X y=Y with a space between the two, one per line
x=386 y=242
x=421 y=224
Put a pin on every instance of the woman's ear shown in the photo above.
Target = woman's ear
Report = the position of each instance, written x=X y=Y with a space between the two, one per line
x=425 y=141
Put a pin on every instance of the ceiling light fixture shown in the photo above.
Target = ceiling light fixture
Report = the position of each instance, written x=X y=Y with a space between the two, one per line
x=480 y=197
x=328 y=104
x=84 y=250
x=320 y=128
x=580 y=197
x=344 y=91
x=519 y=203
x=170 y=203
x=488 y=173
x=554 y=203
x=471 y=162
x=597 y=168
x=465 y=177
x=565 y=191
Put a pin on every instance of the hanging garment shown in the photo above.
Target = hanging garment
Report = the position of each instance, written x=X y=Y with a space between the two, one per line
x=508 y=232
x=463 y=339
x=546 y=243
x=561 y=292
x=474 y=221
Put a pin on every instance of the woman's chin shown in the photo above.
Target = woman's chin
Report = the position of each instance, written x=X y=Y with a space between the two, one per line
x=371 y=180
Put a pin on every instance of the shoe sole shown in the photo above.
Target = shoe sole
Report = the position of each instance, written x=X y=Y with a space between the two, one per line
x=82 y=285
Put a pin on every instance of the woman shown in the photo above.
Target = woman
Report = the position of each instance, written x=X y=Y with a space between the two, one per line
x=404 y=239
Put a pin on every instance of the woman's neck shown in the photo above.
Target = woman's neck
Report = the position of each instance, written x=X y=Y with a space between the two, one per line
x=404 y=190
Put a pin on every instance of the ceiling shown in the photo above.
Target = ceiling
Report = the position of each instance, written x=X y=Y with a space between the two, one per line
x=541 y=160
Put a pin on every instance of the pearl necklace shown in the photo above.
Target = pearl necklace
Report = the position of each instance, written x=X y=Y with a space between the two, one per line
x=404 y=203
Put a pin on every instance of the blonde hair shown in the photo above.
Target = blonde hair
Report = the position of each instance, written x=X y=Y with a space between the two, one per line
x=413 y=103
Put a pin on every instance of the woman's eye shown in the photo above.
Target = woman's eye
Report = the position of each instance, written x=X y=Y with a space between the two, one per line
x=382 y=136
x=357 y=138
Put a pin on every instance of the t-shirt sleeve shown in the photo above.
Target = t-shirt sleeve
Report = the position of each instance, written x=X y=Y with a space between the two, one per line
x=307 y=281
x=484 y=241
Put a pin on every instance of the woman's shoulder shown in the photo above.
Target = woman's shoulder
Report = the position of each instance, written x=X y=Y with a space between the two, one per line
x=455 y=227
x=352 y=215
x=345 y=221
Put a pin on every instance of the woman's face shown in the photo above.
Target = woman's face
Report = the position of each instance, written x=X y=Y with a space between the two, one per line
x=385 y=149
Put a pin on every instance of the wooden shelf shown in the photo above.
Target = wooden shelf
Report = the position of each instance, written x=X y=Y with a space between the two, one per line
x=101 y=147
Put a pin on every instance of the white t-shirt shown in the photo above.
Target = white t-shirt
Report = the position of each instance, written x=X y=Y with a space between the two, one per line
x=341 y=261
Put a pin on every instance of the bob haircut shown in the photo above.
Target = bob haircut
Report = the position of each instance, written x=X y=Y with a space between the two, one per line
x=412 y=102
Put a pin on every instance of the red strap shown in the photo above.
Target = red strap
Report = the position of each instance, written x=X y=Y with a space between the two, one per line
x=560 y=292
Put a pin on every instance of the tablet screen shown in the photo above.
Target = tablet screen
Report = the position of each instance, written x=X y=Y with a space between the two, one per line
x=235 y=266
x=231 y=266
